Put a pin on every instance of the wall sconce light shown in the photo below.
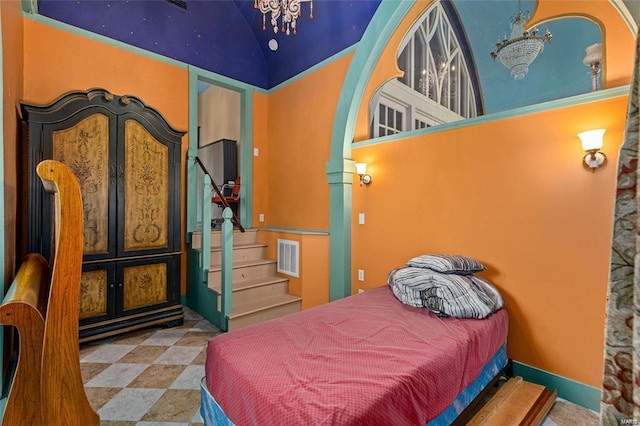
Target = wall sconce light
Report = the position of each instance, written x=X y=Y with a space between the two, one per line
x=592 y=142
x=361 y=170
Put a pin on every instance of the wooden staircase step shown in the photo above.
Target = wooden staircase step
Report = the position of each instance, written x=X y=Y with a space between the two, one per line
x=263 y=310
x=516 y=403
x=241 y=252
x=243 y=271
x=256 y=289
x=253 y=283
x=244 y=264
x=249 y=236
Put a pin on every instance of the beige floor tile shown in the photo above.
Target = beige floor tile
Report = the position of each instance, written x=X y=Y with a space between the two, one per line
x=114 y=423
x=116 y=376
x=175 y=405
x=135 y=337
x=201 y=358
x=189 y=323
x=87 y=349
x=99 y=396
x=178 y=355
x=143 y=354
x=195 y=338
x=130 y=404
x=157 y=376
x=566 y=413
x=89 y=370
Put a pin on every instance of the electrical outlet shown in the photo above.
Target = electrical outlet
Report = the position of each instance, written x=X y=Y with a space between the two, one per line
x=361 y=218
x=256 y=152
x=360 y=274
x=261 y=217
x=360 y=290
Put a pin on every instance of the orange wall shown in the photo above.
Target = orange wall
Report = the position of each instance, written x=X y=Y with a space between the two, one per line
x=313 y=283
x=300 y=124
x=513 y=194
x=58 y=61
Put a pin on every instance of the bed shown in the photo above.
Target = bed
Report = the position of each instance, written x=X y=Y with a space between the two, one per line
x=364 y=359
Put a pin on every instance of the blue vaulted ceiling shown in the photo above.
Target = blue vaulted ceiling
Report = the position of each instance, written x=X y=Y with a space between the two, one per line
x=226 y=37
x=223 y=36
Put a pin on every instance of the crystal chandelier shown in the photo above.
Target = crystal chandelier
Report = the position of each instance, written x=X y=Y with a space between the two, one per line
x=285 y=10
x=522 y=48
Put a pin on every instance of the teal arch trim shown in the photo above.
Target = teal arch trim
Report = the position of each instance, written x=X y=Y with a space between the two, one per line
x=626 y=15
x=531 y=109
x=246 y=145
x=340 y=167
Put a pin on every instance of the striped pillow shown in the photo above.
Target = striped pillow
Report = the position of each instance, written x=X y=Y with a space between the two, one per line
x=447 y=263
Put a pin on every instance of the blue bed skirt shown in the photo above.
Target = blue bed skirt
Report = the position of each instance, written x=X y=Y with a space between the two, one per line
x=212 y=413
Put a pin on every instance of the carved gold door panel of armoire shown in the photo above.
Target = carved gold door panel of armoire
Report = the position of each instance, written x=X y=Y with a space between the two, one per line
x=146 y=189
x=127 y=159
x=84 y=148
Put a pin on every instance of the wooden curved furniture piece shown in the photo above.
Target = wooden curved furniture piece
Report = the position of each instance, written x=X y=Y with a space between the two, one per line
x=47 y=387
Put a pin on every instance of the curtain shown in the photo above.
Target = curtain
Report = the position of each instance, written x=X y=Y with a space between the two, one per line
x=620 y=402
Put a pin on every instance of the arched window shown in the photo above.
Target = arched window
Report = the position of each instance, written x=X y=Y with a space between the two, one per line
x=438 y=85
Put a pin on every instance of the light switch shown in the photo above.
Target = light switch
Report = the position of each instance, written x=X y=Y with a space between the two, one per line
x=256 y=152
x=361 y=218
x=360 y=274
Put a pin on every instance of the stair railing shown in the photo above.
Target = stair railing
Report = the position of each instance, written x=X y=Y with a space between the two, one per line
x=222 y=310
x=217 y=190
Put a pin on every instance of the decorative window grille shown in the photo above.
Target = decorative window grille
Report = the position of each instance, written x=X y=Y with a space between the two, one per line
x=289 y=257
x=438 y=87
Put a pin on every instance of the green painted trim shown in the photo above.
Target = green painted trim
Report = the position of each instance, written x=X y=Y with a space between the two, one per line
x=246 y=144
x=192 y=152
x=293 y=230
x=103 y=39
x=315 y=67
x=530 y=109
x=205 y=236
x=223 y=81
x=246 y=158
x=576 y=392
x=340 y=166
x=199 y=296
x=626 y=15
x=226 y=264
x=183 y=300
x=29 y=6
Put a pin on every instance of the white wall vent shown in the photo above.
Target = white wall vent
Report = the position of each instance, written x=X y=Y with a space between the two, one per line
x=289 y=257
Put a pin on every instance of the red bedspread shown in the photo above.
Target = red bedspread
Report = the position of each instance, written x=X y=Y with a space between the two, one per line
x=365 y=359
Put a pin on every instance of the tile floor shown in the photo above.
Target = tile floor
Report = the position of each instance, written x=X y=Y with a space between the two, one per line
x=152 y=378
x=148 y=377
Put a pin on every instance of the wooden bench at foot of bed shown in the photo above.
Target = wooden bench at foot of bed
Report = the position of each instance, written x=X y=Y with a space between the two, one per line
x=516 y=403
x=42 y=303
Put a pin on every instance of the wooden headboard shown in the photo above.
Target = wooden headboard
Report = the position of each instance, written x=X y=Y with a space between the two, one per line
x=42 y=303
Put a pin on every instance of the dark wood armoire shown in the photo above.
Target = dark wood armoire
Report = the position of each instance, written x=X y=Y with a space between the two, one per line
x=127 y=159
